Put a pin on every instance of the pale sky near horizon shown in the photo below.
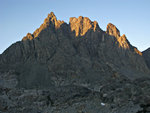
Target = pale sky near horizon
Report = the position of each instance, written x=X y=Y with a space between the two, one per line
x=131 y=17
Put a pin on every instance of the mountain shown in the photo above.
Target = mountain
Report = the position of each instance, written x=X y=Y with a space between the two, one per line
x=75 y=67
x=146 y=55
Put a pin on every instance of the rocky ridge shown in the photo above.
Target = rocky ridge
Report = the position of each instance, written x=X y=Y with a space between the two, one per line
x=75 y=67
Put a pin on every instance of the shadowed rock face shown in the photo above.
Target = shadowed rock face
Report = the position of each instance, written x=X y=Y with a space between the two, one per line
x=71 y=66
x=146 y=55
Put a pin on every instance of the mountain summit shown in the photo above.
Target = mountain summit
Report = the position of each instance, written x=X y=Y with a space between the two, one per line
x=61 y=67
x=50 y=21
x=112 y=30
x=82 y=24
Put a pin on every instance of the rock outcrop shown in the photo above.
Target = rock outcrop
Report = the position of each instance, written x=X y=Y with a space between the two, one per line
x=75 y=67
x=82 y=24
x=122 y=40
x=112 y=30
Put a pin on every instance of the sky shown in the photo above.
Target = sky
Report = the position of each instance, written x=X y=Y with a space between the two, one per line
x=131 y=17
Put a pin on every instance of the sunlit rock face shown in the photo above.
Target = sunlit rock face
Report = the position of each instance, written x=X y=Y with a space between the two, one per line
x=68 y=67
x=29 y=36
x=82 y=24
x=137 y=51
x=123 y=42
x=51 y=21
x=113 y=30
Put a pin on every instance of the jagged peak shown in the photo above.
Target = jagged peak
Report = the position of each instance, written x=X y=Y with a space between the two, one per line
x=51 y=14
x=51 y=18
x=29 y=36
x=82 y=24
x=50 y=21
x=123 y=42
x=112 y=30
x=123 y=37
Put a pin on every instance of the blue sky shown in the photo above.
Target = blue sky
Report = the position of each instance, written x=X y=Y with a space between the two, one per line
x=132 y=17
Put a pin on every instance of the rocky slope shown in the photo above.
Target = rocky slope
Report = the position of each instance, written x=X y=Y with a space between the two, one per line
x=75 y=67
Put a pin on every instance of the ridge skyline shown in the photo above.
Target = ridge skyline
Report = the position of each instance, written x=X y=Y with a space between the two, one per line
x=80 y=21
x=80 y=26
x=131 y=20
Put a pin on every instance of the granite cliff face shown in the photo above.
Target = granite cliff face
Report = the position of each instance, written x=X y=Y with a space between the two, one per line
x=67 y=67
